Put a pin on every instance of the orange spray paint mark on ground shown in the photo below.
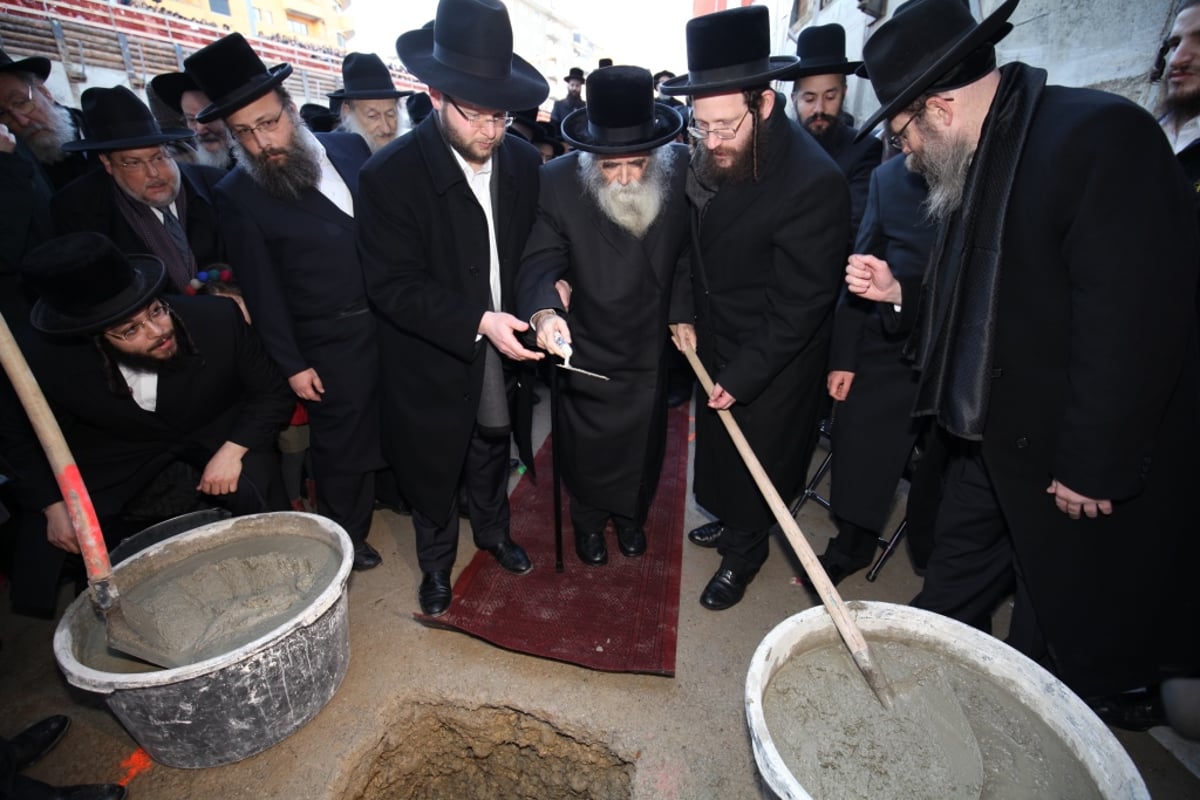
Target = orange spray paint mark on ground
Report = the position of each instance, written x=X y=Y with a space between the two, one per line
x=137 y=763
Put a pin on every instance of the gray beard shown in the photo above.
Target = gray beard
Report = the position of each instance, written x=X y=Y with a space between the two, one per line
x=221 y=159
x=944 y=163
x=48 y=150
x=634 y=206
x=299 y=172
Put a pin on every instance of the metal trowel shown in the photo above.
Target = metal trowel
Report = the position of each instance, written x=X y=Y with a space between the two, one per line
x=566 y=362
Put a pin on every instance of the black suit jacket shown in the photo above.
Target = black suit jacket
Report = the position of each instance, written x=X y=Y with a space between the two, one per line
x=423 y=241
x=87 y=204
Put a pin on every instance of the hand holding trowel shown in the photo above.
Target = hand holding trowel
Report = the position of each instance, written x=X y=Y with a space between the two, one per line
x=553 y=336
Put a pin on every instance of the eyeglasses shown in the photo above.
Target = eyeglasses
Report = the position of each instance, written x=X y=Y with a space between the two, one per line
x=725 y=134
x=155 y=315
x=898 y=139
x=22 y=107
x=477 y=121
x=153 y=164
x=266 y=126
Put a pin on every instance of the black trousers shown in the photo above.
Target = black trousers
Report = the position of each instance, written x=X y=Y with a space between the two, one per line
x=485 y=483
x=348 y=500
x=589 y=519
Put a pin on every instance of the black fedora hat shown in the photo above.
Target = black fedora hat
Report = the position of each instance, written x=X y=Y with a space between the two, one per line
x=34 y=64
x=418 y=107
x=366 y=77
x=232 y=75
x=575 y=74
x=822 y=51
x=117 y=119
x=469 y=55
x=729 y=50
x=662 y=73
x=170 y=86
x=318 y=118
x=930 y=45
x=84 y=283
x=621 y=115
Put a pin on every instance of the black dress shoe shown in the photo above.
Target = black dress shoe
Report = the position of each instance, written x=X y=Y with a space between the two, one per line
x=91 y=791
x=366 y=557
x=1131 y=711
x=512 y=557
x=724 y=590
x=38 y=739
x=631 y=541
x=591 y=549
x=435 y=592
x=836 y=572
x=707 y=535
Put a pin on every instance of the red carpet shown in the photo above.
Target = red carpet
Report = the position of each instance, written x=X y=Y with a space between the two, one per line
x=622 y=617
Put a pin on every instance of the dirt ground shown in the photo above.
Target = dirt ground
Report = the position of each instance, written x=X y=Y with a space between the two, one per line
x=427 y=713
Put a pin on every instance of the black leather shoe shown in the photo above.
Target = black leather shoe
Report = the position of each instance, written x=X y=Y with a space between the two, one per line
x=366 y=557
x=512 y=557
x=591 y=549
x=707 y=535
x=724 y=590
x=91 y=791
x=38 y=739
x=1131 y=711
x=632 y=541
x=836 y=572
x=435 y=592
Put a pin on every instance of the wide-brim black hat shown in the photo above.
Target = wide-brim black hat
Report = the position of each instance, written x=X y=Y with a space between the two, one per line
x=469 y=55
x=929 y=45
x=729 y=50
x=35 y=65
x=117 y=119
x=575 y=74
x=621 y=115
x=85 y=284
x=822 y=51
x=232 y=75
x=366 y=77
x=170 y=86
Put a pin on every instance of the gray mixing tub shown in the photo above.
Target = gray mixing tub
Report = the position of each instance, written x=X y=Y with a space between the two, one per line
x=237 y=703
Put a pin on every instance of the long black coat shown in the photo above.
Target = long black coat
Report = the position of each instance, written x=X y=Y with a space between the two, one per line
x=298 y=268
x=1096 y=378
x=423 y=242
x=857 y=160
x=767 y=263
x=873 y=430
x=87 y=204
x=612 y=433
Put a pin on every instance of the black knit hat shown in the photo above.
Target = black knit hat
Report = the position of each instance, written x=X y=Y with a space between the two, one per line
x=232 y=75
x=621 y=115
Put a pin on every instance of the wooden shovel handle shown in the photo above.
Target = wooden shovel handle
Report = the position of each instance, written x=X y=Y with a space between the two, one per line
x=70 y=482
x=846 y=626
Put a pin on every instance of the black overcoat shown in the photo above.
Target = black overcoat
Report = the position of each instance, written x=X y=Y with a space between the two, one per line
x=87 y=204
x=873 y=428
x=423 y=242
x=298 y=268
x=612 y=433
x=767 y=263
x=857 y=160
x=1095 y=384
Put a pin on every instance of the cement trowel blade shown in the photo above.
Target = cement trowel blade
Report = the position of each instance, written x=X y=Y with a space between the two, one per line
x=569 y=368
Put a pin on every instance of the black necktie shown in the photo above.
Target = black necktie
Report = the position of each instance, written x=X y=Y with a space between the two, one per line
x=175 y=231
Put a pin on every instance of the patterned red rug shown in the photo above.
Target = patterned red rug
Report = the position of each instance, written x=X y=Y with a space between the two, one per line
x=622 y=617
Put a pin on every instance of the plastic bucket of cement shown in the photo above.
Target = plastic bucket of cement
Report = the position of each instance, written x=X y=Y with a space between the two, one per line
x=816 y=728
x=258 y=601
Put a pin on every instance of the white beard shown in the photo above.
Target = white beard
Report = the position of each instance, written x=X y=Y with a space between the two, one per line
x=48 y=150
x=221 y=159
x=350 y=124
x=634 y=206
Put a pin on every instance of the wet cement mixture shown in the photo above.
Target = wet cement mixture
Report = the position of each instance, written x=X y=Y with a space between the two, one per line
x=953 y=732
x=217 y=600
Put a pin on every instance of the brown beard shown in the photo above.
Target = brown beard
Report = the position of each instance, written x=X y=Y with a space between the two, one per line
x=300 y=171
x=743 y=167
x=463 y=147
x=832 y=121
x=1180 y=106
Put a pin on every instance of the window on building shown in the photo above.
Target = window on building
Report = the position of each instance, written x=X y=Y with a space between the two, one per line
x=297 y=27
x=261 y=16
x=219 y=7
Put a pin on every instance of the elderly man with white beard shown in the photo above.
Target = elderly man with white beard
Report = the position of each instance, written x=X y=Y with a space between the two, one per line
x=370 y=102
x=179 y=92
x=612 y=222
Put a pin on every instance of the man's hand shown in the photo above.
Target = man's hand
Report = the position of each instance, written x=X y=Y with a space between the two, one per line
x=683 y=334
x=307 y=385
x=59 y=530
x=501 y=330
x=1073 y=503
x=548 y=326
x=838 y=383
x=564 y=293
x=222 y=471
x=720 y=399
x=871 y=279
x=8 y=142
